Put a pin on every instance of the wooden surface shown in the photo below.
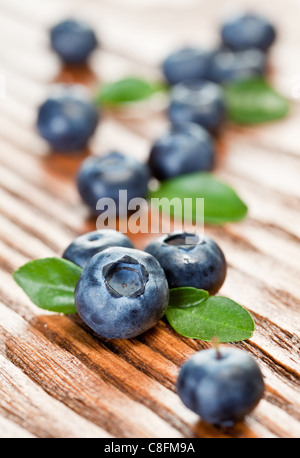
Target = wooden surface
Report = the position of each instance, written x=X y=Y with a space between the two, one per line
x=57 y=379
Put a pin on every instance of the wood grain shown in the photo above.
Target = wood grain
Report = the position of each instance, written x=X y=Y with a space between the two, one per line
x=58 y=379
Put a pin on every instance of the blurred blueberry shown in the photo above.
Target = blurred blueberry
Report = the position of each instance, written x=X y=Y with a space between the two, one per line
x=221 y=387
x=104 y=176
x=186 y=64
x=200 y=102
x=228 y=66
x=73 y=40
x=185 y=148
x=68 y=119
x=247 y=31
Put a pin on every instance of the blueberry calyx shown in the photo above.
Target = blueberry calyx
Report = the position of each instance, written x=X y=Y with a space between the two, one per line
x=180 y=241
x=125 y=278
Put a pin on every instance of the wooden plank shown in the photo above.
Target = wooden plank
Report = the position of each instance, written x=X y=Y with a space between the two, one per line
x=28 y=408
x=58 y=379
x=8 y=429
x=74 y=384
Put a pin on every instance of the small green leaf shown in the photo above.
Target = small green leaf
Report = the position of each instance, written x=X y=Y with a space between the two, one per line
x=221 y=202
x=211 y=317
x=127 y=90
x=186 y=297
x=254 y=101
x=50 y=283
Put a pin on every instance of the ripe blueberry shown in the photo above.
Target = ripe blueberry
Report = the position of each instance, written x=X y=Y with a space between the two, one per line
x=190 y=261
x=73 y=41
x=105 y=176
x=68 y=119
x=200 y=102
x=81 y=250
x=122 y=293
x=227 y=66
x=186 y=64
x=184 y=149
x=221 y=387
x=247 y=31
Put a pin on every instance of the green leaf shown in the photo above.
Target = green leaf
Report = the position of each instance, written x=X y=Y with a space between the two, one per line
x=50 y=283
x=254 y=101
x=212 y=317
x=186 y=297
x=127 y=90
x=221 y=202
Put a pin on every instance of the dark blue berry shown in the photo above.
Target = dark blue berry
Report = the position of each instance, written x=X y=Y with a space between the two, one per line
x=186 y=64
x=221 y=387
x=73 y=41
x=200 y=102
x=81 y=250
x=247 y=31
x=190 y=261
x=122 y=293
x=104 y=176
x=68 y=119
x=227 y=66
x=186 y=148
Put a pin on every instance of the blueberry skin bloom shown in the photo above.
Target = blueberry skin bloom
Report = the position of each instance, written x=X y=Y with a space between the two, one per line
x=84 y=247
x=122 y=293
x=186 y=64
x=68 y=119
x=184 y=149
x=189 y=261
x=73 y=41
x=246 y=31
x=222 y=388
x=103 y=177
x=200 y=102
x=227 y=66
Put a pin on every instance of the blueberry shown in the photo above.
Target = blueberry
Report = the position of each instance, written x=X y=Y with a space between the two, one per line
x=200 y=102
x=246 y=31
x=81 y=250
x=68 y=119
x=186 y=64
x=122 y=293
x=189 y=260
x=73 y=41
x=184 y=149
x=221 y=387
x=227 y=66
x=105 y=176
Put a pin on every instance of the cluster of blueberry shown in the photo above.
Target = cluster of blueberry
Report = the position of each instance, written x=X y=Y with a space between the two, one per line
x=68 y=119
x=196 y=75
x=122 y=292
